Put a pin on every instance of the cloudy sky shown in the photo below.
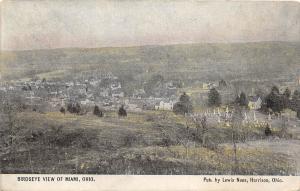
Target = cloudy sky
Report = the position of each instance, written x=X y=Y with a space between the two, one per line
x=34 y=24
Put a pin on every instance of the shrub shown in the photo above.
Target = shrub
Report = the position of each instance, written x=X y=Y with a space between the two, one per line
x=62 y=110
x=97 y=111
x=268 y=131
x=214 y=98
x=122 y=112
x=74 y=108
x=184 y=105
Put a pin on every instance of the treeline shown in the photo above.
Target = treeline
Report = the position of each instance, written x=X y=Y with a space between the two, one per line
x=274 y=102
x=75 y=108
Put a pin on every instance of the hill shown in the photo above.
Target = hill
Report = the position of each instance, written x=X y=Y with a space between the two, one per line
x=186 y=62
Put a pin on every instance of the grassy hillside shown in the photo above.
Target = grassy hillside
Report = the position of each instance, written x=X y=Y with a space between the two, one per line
x=186 y=62
x=143 y=143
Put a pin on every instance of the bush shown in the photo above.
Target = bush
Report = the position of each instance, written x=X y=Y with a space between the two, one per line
x=242 y=99
x=97 y=111
x=62 y=110
x=184 y=105
x=180 y=108
x=74 y=108
x=268 y=131
x=214 y=98
x=122 y=112
x=274 y=100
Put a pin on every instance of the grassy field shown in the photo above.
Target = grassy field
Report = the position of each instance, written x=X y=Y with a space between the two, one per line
x=151 y=142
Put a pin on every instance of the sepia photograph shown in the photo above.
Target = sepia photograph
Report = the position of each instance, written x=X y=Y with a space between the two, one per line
x=150 y=87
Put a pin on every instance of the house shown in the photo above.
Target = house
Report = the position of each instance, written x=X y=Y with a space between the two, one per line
x=104 y=92
x=87 y=102
x=56 y=102
x=3 y=89
x=94 y=83
x=254 y=102
x=115 y=86
x=11 y=88
x=133 y=107
x=208 y=86
x=117 y=94
x=139 y=94
x=107 y=102
x=164 y=105
x=171 y=86
x=69 y=84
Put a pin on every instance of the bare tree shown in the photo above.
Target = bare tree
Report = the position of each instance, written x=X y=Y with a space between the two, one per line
x=200 y=123
x=236 y=120
x=10 y=106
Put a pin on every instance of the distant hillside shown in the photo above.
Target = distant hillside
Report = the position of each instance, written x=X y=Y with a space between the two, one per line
x=187 y=62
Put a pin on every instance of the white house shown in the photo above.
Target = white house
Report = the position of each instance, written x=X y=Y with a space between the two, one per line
x=94 y=83
x=164 y=105
x=115 y=86
x=208 y=86
x=133 y=107
x=117 y=94
x=3 y=89
x=87 y=102
x=11 y=88
x=254 y=103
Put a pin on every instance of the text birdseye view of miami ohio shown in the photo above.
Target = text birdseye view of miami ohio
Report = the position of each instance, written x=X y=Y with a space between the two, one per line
x=150 y=88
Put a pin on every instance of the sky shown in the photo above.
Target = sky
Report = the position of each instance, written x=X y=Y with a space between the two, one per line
x=36 y=24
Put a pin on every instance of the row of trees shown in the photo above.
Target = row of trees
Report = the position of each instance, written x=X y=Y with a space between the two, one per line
x=278 y=102
x=184 y=105
x=76 y=109
x=274 y=101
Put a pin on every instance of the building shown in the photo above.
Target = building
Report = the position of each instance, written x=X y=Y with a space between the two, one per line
x=208 y=86
x=87 y=102
x=165 y=106
x=254 y=102
x=116 y=86
x=139 y=94
x=117 y=94
x=104 y=92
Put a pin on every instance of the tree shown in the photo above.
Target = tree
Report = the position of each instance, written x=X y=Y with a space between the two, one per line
x=201 y=128
x=268 y=131
x=295 y=102
x=237 y=119
x=296 y=95
x=10 y=105
x=122 y=112
x=184 y=105
x=287 y=93
x=242 y=99
x=97 y=111
x=274 y=100
x=62 y=110
x=214 y=98
x=275 y=90
x=222 y=83
x=286 y=98
x=74 y=107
